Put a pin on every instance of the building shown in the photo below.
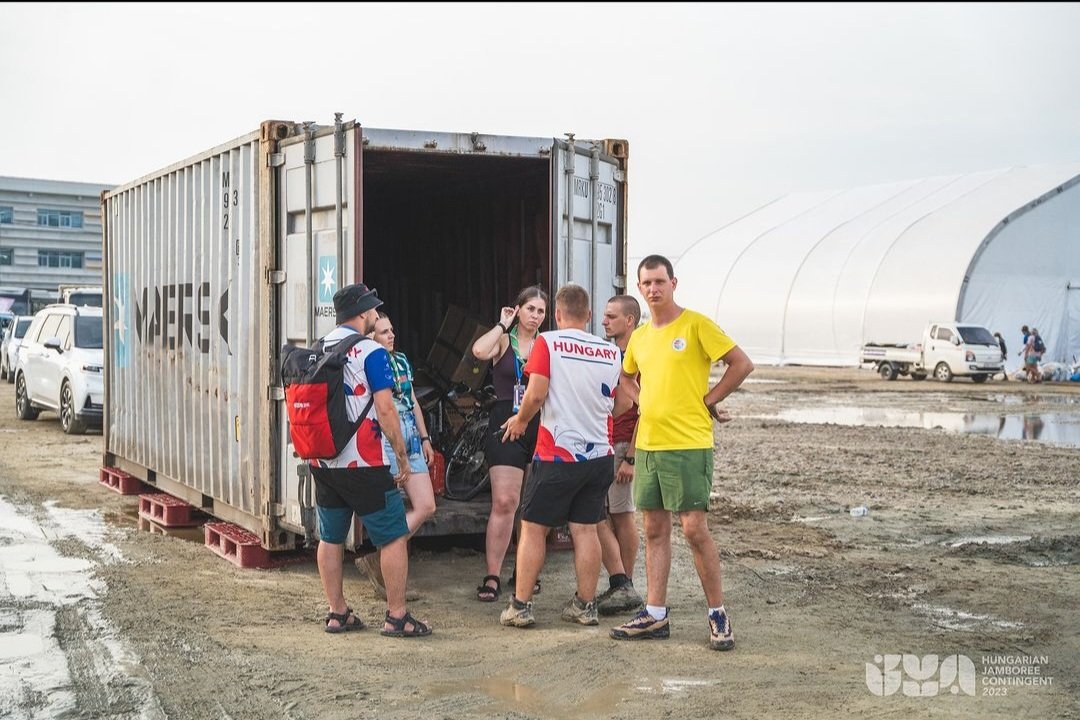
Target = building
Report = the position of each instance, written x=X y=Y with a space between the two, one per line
x=810 y=277
x=50 y=233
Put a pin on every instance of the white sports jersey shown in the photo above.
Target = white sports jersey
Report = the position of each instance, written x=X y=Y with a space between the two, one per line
x=583 y=370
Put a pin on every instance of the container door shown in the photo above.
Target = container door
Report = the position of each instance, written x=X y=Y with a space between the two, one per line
x=588 y=201
x=316 y=265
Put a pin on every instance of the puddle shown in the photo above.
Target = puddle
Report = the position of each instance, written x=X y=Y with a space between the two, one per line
x=45 y=595
x=1056 y=427
x=987 y=540
x=1010 y=399
x=952 y=619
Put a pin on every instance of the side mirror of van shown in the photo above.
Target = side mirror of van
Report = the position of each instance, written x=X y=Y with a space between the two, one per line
x=53 y=343
x=956 y=340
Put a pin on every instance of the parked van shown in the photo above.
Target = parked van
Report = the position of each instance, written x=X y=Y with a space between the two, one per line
x=947 y=350
x=215 y=262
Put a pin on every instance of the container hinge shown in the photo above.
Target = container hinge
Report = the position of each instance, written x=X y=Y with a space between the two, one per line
x=275 y=277
x=274 y=509
x=275 y=159
x=620 y=176
x=276 y=392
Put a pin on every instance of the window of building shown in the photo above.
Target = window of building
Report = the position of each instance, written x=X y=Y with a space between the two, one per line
x=7 y=256
x=7 y=215
x=59 y=258
x=60 y=218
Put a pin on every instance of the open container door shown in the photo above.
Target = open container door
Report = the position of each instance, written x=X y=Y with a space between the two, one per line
x=316 y=256
x=588 y=200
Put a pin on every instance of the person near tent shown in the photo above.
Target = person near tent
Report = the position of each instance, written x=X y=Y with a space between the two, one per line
x=1031 y=359
x=1004 y=355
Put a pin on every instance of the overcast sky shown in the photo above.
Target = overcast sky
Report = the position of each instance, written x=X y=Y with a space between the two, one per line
x=725 y=106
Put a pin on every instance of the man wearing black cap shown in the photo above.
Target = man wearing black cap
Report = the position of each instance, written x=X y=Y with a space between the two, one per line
x=359 y=480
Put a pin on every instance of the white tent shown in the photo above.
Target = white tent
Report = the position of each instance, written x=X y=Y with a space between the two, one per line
x=810 y=277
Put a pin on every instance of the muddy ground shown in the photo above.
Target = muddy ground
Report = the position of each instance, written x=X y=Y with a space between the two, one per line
x=971 y=547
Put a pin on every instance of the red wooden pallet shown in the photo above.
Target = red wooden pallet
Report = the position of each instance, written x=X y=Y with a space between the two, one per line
x=194 y=534
x=119 y=481
x=236 y=545
x=167 y=511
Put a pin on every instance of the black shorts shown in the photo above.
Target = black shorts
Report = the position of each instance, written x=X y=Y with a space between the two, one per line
x=362 y=490
x=561 y=492
x=518 y=453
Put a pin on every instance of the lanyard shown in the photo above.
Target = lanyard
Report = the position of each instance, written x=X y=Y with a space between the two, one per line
x=399 y=377
x=517 y=356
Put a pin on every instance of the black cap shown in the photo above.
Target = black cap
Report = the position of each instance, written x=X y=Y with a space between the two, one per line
x=353 y=300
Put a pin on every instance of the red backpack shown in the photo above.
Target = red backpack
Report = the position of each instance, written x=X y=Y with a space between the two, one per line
x=314 y=380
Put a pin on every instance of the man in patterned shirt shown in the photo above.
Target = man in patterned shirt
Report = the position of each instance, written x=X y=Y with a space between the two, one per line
x=572 y=380
x=359 y=480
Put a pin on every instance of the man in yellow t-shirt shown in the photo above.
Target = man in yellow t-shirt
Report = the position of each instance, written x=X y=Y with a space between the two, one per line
x=672 y=453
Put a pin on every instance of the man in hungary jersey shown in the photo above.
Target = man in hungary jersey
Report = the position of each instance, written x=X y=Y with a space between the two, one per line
x=572 y=380
x=673 y=448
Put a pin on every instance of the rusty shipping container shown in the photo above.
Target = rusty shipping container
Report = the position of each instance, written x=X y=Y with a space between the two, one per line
x=215 y=262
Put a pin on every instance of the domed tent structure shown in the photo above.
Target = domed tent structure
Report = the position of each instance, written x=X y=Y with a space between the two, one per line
x=811 y=277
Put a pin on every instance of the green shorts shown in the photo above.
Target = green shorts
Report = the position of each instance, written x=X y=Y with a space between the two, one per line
x=674 y=480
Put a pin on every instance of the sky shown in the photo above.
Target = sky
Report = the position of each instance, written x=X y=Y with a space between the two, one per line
x=725 y=107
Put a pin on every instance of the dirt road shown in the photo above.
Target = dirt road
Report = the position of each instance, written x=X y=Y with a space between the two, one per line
x=970 y=549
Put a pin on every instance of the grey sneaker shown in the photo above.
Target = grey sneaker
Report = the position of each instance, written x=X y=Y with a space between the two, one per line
x=721 y=636
x=619 y=599
x=579 y=611
x=518 y=614
x=642 y=627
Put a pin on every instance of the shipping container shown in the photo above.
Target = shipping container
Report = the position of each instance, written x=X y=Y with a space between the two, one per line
x=215 y=262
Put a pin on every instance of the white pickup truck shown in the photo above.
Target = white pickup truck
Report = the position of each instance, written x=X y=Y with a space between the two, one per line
x=947 y=350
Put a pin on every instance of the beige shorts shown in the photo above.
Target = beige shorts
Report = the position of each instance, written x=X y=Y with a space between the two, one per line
x=620 y=497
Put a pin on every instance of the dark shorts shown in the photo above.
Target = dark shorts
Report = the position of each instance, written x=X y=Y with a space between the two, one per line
x=518 y=453
x=368 y=492
x=561 y=492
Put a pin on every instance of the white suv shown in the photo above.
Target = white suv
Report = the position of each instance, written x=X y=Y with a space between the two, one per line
x=60 y=367
x=9 y=347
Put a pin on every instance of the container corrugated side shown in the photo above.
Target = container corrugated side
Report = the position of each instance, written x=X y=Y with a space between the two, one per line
x=191 y=331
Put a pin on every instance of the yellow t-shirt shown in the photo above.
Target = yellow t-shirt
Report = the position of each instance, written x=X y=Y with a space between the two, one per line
x=674 y=363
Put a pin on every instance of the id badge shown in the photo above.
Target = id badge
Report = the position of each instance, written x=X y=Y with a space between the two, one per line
x=519 y=396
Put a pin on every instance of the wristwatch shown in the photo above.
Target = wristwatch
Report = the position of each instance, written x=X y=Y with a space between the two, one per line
x=425 y=438
x=629 y=459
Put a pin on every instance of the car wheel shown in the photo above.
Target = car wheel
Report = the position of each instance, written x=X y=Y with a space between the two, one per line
x=3 y=369
x=943 y=372
x=71 y=424
x=918 y=376
x=22 y=402
x=980 y=378
x=887 y=371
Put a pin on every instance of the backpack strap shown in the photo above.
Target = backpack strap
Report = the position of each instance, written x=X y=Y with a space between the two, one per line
x=340 y=348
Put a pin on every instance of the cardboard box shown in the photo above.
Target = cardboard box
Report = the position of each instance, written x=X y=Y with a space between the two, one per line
x=451 y=354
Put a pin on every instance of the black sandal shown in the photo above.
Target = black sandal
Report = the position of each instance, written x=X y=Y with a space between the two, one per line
x=486 y=593
x=419 y=629
x=343 y=622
